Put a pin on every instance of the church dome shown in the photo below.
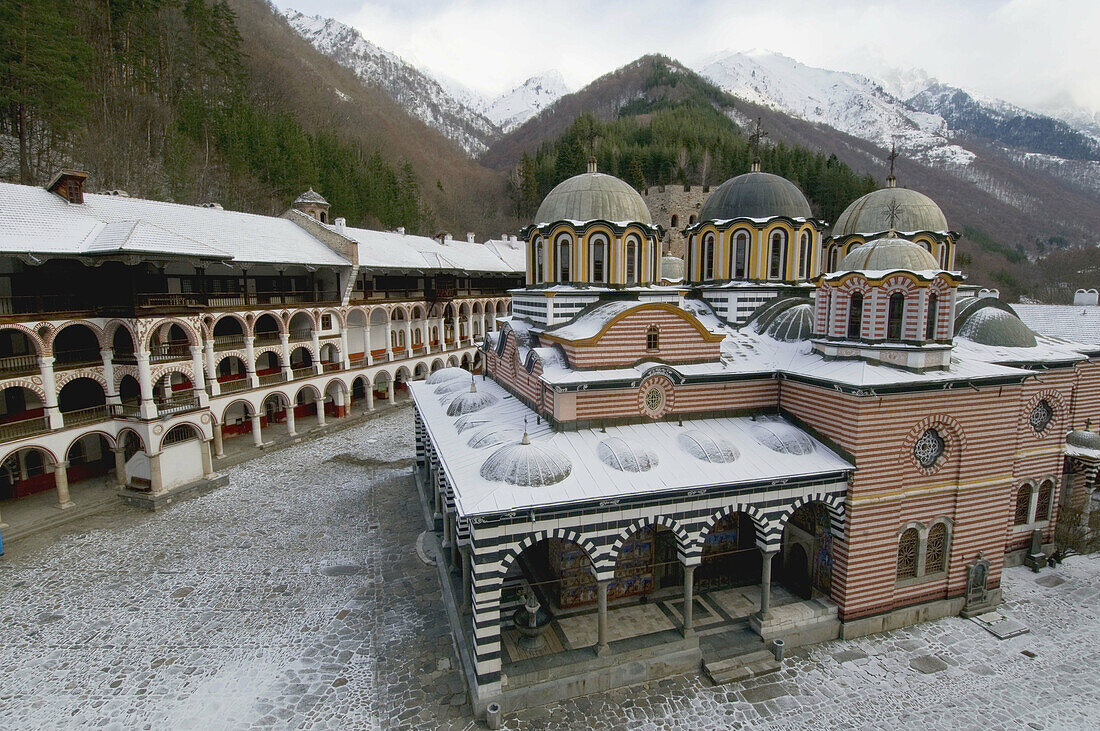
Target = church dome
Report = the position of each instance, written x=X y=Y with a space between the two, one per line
x=619 y=454
x=888 y=254
x=446 y=374
x=672 y=268
x=792 y=324
x=755 y=195
x=311 y=196
x=870 y=214
x=527 y=465
x=995 y=326
x=593 y=196
x=1084 y=439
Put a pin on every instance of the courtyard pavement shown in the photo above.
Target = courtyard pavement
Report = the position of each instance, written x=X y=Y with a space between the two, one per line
x=293 y=598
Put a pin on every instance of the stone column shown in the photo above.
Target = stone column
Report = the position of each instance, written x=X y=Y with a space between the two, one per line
x=250 y=361
x=284 y=341
x=366 y=343
x=766 y=581
x=199 y=383
x=338 y=403
x=212 y=368
x=108 y=355
x=601 y=625
x=316 y=340
x=290 y=420
x=156 y=479
x=257 y=436
x=207 y=460
x=145 y=382
x=61 y=481
x=454 y=326
x=120 y=466
x=689 y=599
x=370 y=397
x=466 y=571
x=345 y=359
x=49 y=386
x=219 y=450
x=321 y=411
x=389 y=338
x=389 y=392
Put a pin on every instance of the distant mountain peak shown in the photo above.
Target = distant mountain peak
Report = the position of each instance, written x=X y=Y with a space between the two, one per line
x=516 y=106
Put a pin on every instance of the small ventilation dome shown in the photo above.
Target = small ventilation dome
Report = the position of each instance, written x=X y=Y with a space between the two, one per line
x=492 y=436
x=621 y=455
x=706 y=448
x=447 y=374
x=527 y=465
x=467 y=403
x=452 y=386
x=470 y=421
x=782 y=438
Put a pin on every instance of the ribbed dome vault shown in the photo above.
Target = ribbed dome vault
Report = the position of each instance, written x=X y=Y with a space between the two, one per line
x=755 y=195
x=527 y=465
x=621 y=455
x=888 y=254
x=447 y=374
x=591 y=197
x=870 y=214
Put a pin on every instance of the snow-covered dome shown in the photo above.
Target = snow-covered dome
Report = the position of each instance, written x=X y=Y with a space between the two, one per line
x=619 y=454
x=792 y=324
x=491 y=436
x=311 y=196
x=995 y=326
x=870 y=214
x=456 y=384
x=467 y=403
x=447 y=374
x=1084 y=439
x=672 y=268
x=755 y=195
x=527 y=465
x=783 y=438
x=469 y=421
x=888 y=254
x=593 y=196
x=707 y=448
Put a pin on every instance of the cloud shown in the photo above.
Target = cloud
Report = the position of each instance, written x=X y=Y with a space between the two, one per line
x=1025 y=51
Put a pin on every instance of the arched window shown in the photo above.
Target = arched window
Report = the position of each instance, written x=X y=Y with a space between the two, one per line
x=565 y=259
x=895 y=316
x=855 y=316
x=1023 y=505
x=539 y=262
x=741 y=255
x=675 y=220
x=935 y=550
x=1042 y=505
x=907 y=553
x=324 y=217
x=631 y=262
x=944 y=256
x=777 y=268
x=598 y=245
x=832 y=258
x=691 y=220
x=708 y=256
x=804 y=256
x=652 y=336
x=933 y=314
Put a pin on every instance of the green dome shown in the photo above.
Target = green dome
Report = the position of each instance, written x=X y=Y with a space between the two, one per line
x=870 y=213
x=882 y=255
x=755 y=195
x=592 y=197
x=989 y=321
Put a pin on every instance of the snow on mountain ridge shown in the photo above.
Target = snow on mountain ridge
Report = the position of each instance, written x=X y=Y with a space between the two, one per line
x=421 y=95
x=516 y=106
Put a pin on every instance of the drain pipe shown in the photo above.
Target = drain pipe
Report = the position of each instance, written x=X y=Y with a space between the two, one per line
x=778 y=647
x=493 y=715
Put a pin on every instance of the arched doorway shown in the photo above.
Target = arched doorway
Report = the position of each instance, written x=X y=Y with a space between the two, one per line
x=647 y=561
x=806 y=555
x=25 y=472
x=731 y=557
x=82 y=401
x=88 y=457
x=76 y=345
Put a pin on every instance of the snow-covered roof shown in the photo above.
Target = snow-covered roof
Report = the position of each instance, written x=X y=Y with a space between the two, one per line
x=35 y=221
x=1072 y=322
x=392 y=250
x=590 y=476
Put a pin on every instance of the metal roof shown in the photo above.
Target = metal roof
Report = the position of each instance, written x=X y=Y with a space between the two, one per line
x=593 y=197
x=887 y=255
x=870 y=214
x=755 y=195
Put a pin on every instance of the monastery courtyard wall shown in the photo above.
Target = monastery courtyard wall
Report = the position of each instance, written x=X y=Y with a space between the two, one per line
x=294 y=598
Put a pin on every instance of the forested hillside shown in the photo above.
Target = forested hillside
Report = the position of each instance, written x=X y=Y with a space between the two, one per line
x=209 y=100
x=678 y=131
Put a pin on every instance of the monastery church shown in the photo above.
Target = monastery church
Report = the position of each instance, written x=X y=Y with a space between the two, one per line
x=820 y=431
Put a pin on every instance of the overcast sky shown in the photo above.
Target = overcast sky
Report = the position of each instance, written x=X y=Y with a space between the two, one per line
x=1031 y=52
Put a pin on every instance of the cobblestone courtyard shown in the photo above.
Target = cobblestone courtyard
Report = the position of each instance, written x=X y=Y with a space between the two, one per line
x=293 y=598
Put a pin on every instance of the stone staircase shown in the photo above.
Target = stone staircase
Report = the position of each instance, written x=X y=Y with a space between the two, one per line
x=741 y=667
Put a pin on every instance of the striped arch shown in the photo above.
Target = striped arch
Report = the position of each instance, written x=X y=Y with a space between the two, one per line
x=35 y=388
x=854 y=283
x=182 y=368
x=195 y=429
x=55 y=328
x=70 y=376
x=110 y=440
x=683 y=540
x=34 y=337
x=289 y=315
x=569 y=535
x=191 y=329
x=35 y=447
x=950 y=430
x=766 y=533
x=902 y=283
x=833 y=503
x=250 y=408
x=337 y=315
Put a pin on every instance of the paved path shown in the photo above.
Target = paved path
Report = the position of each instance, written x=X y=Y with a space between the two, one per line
x=293 y=598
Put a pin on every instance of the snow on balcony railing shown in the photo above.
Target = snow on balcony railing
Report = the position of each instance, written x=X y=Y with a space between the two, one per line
x=235 y=384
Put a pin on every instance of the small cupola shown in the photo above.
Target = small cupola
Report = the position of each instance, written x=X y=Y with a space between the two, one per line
x=313 y=204
x=69 y=184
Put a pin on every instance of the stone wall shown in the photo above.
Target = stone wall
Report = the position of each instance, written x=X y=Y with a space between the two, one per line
x=683 y=202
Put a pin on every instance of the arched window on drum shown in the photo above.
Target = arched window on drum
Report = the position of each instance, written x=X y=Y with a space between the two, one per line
x=741 y=255
x=708 y=256
x=777 y=256
x=565 y=258
x=631 y=261
x=598 y=263
x=804 y=254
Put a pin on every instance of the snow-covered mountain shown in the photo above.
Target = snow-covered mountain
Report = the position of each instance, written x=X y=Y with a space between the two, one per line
x=421 y=95
x=514 y=107
x=939 y=124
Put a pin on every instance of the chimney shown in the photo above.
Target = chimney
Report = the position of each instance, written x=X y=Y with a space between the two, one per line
x=339 y=223
x=69 y=184
x=470 y=237
x=401 y=230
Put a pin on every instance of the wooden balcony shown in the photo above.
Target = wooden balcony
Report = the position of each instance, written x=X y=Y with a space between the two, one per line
x=90 y=415
x=18 y=365
x=23 y=428
x=303 y=372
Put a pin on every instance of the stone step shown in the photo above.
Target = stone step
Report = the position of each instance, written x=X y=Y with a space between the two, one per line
x=740 y=668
